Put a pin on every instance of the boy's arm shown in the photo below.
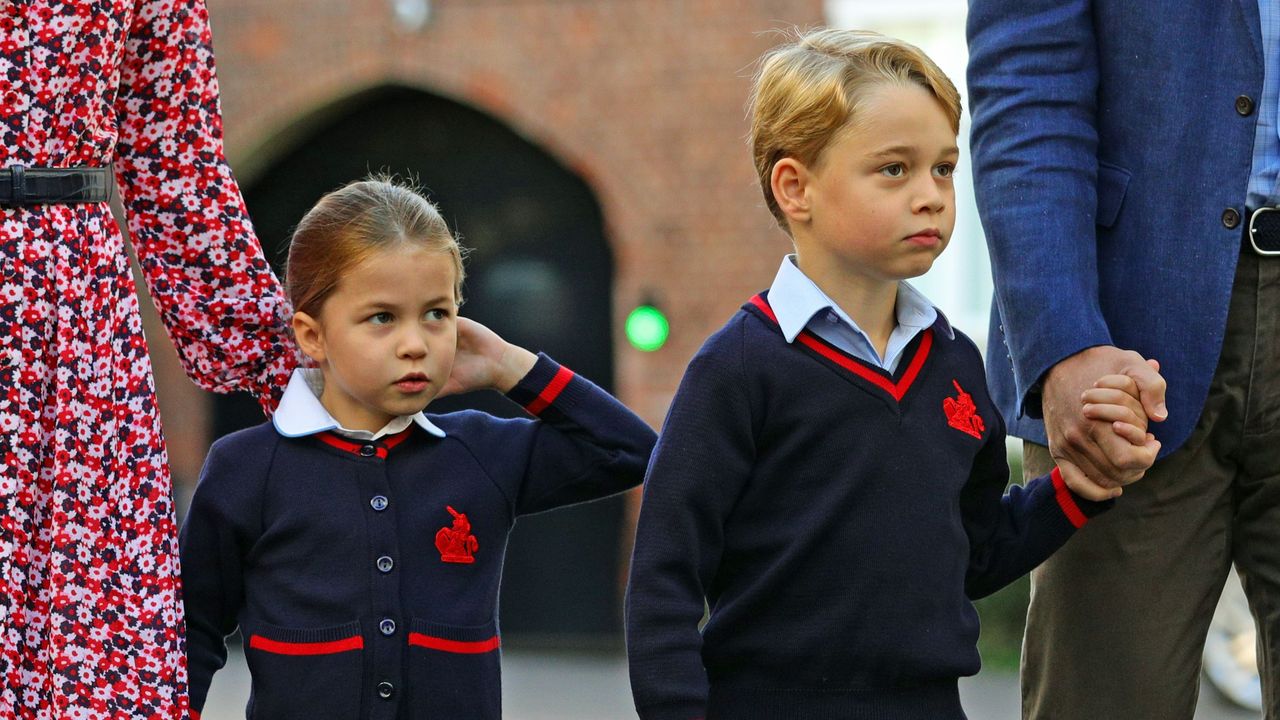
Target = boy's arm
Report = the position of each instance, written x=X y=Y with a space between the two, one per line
x=1012 y=532
x=586 y=444
x=704 y=457
x=213 y=541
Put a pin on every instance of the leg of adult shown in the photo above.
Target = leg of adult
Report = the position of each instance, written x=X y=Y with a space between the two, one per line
x=1256 y=525
x=1118 y=617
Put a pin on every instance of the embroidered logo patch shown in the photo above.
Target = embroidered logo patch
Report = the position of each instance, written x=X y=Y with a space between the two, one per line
x=456 y=544
x=962 y=413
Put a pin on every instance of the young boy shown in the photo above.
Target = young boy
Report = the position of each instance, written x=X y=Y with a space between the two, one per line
x=830 y=477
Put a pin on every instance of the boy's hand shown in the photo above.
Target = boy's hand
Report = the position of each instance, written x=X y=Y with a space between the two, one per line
x=485 y=361
x=1083 y=486
x=1114 y=399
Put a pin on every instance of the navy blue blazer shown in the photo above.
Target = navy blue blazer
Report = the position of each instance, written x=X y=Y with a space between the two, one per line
x=1107 y=149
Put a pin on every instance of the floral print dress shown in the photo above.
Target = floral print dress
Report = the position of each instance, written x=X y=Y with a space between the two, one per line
x=91 y=622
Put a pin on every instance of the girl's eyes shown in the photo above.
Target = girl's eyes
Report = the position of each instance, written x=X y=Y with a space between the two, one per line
x=895 y=170
x=381 y=318
x=945 y=170
x=437 y=314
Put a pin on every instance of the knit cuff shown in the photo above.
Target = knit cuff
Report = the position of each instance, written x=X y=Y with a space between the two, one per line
x=1077 y=509
x=678 y=710
x=548 y=384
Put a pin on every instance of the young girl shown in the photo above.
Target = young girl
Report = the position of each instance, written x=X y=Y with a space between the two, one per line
x=356 y=541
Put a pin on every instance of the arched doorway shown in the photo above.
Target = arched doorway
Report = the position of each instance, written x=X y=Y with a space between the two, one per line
x=540 y=274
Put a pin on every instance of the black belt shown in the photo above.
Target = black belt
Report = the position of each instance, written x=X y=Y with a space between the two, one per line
x=1262 y=231
x=48 y=186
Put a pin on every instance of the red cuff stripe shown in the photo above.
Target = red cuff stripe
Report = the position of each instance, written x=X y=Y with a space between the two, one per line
x=195 y=715
x=550 y=392
x=1066 y=501
x=455 y=646
x=257 y=642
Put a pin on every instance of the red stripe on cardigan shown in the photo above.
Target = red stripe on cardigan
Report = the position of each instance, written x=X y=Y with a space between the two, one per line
x=1068 y=504
x=278 y=647
x=550 y=392
x=455 y=646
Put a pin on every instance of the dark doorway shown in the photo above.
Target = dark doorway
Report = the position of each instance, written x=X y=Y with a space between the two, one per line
x=540 y=274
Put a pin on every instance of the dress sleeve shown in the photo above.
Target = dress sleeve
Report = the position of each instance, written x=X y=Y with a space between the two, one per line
x=1033 y=81
x=703 y=460
x=218 y=298
x=1011 y=532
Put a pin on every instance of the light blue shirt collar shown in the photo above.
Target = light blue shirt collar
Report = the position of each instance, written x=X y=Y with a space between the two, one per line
x=300 y=412
x=799 y=303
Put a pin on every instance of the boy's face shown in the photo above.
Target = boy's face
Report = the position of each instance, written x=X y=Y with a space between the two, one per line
x=385 y=339
x=881 y=198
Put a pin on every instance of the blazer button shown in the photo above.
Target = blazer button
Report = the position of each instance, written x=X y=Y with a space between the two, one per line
x=386 y=690
x=387 y=627
x=1231 y=218
x=385 y=563
x=368 y=451
x=378 y=502
x=1244 y=105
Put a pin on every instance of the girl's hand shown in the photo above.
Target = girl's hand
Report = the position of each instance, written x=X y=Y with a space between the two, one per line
x=485 y=361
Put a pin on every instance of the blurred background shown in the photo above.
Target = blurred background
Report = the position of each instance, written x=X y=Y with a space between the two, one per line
x=592 y=153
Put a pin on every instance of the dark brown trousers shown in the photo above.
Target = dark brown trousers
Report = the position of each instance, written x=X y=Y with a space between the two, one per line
x=1118 y=617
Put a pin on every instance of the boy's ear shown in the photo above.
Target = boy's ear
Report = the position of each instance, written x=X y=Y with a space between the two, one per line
x=310 y=336
x=789 y=180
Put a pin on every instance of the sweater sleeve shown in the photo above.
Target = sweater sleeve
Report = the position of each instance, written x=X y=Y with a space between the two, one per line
x=219 y=530
x=1011 y=532
x=703 y=459
x=586 y=444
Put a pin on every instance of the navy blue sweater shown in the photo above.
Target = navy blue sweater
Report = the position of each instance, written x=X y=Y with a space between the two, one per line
x=836 y=520
x=364 y=575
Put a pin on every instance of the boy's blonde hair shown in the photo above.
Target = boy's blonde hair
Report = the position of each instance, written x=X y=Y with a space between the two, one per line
x=349 y=224
x=808 y=90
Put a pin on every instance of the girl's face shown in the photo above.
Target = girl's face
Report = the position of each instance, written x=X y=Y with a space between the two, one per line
x=386 y=337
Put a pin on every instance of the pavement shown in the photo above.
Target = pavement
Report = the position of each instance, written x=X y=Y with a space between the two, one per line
x=565 y=685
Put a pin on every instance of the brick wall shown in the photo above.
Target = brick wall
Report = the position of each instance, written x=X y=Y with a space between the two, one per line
x=644 y=99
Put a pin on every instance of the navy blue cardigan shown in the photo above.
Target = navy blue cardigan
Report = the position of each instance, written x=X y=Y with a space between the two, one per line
x=837 y=520
x=364 y=575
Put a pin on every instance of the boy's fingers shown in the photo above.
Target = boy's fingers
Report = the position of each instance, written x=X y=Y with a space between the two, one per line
x=1151 y=389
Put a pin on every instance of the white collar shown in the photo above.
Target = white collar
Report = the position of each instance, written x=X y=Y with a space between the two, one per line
x=795 y=299
x=300 y=412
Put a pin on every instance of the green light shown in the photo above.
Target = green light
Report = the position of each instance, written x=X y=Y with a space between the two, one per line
x=647 y=328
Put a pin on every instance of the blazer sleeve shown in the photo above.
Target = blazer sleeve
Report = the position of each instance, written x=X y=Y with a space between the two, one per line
x=1033 y=81
x=218 y=298
x=222 y=524
x=699 y=468
x=585 y=444
x=1011 y=532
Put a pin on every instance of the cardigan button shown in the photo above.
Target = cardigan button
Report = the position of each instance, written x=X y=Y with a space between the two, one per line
x=379 y=503
x=1244 y=106
x=386 y=690
x=387 y=627
x=385 y=563
x=368 y=451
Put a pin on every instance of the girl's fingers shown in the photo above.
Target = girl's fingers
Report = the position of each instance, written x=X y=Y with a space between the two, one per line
x=1132 y=433
x=1113 y=413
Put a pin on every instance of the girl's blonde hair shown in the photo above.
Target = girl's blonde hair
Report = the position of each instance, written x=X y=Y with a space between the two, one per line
x=350 y=224
x=808 y=90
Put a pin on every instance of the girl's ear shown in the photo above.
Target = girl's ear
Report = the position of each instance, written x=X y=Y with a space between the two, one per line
x=310 y=336
x=789 y=181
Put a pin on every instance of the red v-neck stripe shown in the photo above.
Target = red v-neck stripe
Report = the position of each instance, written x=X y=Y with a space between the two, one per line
x=896 y=390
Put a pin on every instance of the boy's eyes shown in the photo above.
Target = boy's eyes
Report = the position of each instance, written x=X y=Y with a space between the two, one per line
x=897 y=170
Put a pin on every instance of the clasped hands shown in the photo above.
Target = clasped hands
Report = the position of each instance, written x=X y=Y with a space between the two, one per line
x=1097 y=405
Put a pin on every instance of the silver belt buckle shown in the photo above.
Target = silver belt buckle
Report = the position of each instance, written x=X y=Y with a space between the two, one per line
x=1254 y=229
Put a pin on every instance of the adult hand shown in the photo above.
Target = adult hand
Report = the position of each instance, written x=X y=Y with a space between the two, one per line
x=1093 y=446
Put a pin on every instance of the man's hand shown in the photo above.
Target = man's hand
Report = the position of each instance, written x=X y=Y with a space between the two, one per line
x=1093 y=446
